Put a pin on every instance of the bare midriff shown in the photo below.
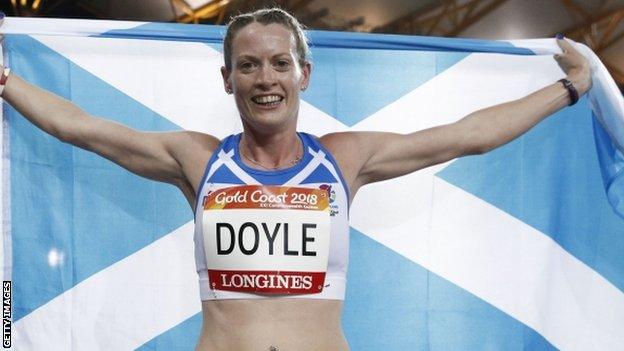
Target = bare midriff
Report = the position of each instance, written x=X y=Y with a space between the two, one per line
x=272 y=324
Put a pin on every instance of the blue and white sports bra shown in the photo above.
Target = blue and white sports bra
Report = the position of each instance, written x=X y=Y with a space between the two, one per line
x=282 y=233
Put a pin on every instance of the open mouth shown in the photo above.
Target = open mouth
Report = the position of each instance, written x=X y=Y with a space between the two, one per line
x=267 y=100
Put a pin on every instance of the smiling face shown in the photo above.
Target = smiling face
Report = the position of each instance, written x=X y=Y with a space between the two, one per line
x=266 y=77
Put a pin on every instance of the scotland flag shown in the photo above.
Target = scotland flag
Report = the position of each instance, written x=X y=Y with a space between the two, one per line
x=518 y=249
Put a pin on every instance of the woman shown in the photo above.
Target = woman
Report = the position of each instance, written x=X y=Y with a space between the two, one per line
x=271 y=204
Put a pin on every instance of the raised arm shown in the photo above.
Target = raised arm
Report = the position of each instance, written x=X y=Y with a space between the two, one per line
x=166 y=157
x=382 y=156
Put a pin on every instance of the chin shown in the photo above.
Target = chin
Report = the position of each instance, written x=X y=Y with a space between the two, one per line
x=267 y=122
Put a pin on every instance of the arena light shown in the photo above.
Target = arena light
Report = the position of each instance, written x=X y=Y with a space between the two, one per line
x=196 y=10
x=195 y=4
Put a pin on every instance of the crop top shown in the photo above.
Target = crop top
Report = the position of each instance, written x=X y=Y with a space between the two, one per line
x=281 y=233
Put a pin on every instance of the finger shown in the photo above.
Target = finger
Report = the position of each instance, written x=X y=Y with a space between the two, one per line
x=564 y=44
x=567 y=46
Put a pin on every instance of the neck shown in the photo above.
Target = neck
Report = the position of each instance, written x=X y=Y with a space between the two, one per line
x=275 y=151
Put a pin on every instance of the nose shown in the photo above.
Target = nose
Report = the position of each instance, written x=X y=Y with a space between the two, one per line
x=266 y=77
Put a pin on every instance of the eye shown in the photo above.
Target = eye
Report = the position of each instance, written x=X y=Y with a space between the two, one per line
x=282 y=64
x=246 y=66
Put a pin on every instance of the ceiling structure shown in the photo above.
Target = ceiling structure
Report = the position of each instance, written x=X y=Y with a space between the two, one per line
x=597 y=23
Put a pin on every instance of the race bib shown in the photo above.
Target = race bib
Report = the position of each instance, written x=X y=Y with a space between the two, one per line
x=267 y=239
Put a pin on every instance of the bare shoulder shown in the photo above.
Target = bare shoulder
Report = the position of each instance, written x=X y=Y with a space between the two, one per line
x=337 y=139
x=188 y=140
x=191 y=150
x=348 y=148
x=187 y=146
x=340 y=144
x=352 y=145
x=343 y=142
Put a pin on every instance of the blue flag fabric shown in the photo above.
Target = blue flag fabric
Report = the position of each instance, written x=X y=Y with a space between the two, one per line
x=517 y=249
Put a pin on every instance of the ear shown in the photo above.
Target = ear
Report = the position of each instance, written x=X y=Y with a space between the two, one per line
x=227 y=82
x=306 y=71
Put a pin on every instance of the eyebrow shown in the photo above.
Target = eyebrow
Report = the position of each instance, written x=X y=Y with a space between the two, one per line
x=246 y=57
x=283 y=55
x=251 y=57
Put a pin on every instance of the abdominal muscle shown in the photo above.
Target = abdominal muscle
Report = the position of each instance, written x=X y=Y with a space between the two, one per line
x=259 y=324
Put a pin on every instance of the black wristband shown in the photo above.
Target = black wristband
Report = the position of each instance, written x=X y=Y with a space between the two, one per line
x=574 y=96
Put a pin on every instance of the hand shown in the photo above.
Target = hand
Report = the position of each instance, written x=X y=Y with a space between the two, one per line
x=575 y=66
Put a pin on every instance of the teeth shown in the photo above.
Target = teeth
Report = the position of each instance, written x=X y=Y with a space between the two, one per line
x=267 y=99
